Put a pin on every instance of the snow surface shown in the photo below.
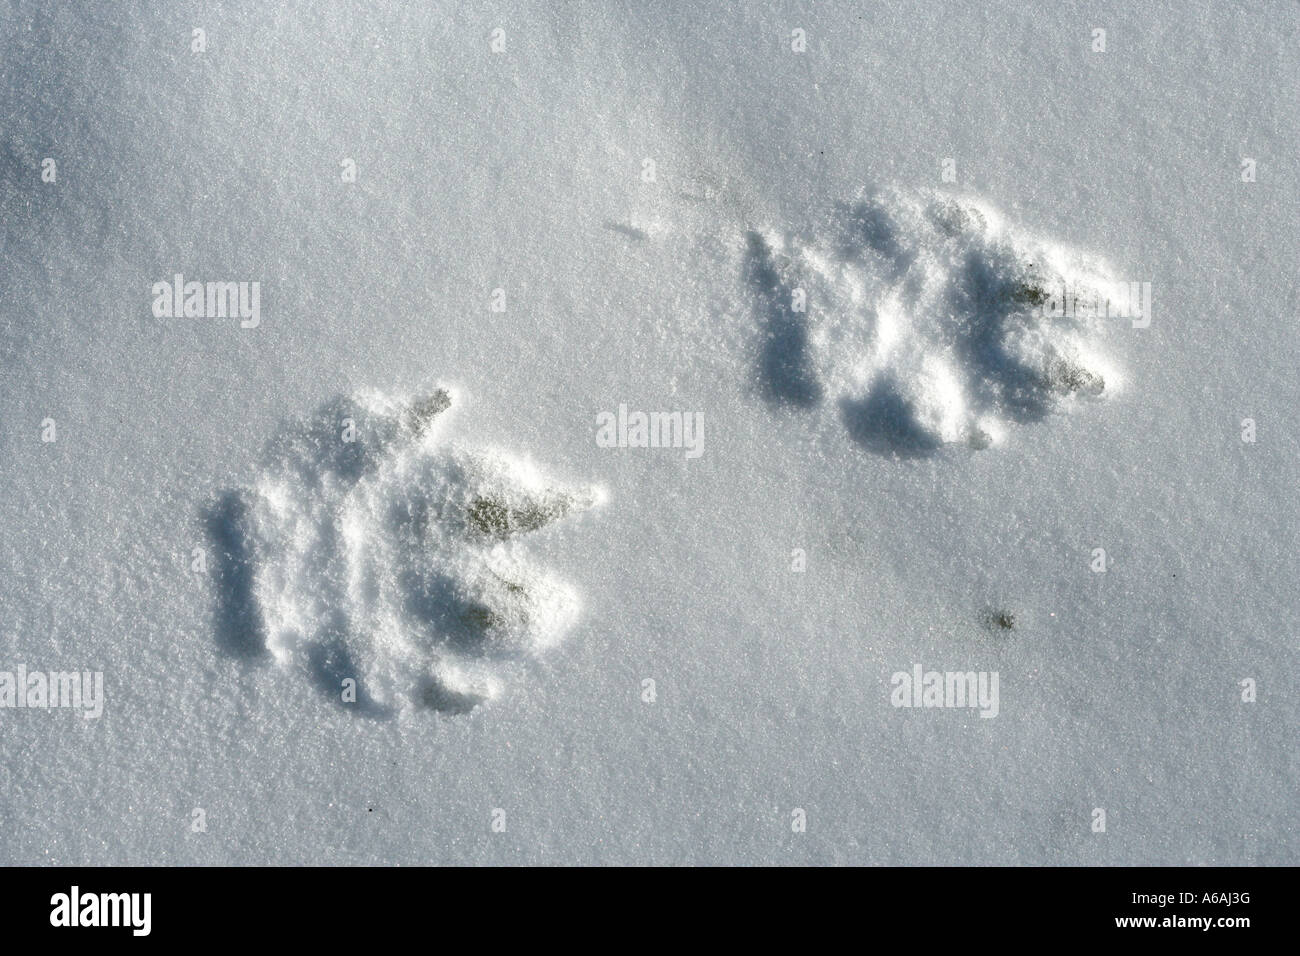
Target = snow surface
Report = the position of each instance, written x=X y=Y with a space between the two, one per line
x=944 y=453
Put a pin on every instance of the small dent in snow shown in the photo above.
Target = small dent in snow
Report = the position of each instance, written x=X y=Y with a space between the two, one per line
x=1002 y=620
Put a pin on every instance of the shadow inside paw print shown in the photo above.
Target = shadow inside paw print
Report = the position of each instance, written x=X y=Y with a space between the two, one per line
x=926 y=319
x=885 y=422
x=870 y=228
x=238 y=625
x=373 y=551
x=786 y=370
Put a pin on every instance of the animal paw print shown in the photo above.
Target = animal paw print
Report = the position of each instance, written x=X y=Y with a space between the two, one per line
x=927 y=321
x=372 y=547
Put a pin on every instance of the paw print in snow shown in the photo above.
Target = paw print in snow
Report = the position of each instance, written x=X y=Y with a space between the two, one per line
x=927 y=321
x=373 y=547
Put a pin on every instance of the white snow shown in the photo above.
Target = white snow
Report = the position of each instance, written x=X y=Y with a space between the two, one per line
x=650 y=680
